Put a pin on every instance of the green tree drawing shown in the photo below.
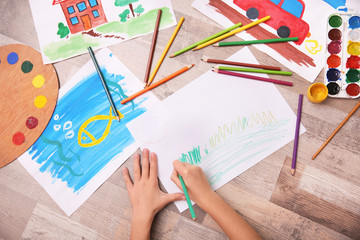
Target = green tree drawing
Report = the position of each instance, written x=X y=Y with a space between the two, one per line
x=123 y=15
x=123 y=3
x=139 y=9
x=63 y=30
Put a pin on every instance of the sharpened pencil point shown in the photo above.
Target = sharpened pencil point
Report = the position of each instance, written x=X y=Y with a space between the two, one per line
x=171 y=56
x=118 y=118
x=292 y=172
x=216 y=44
x=204 y=59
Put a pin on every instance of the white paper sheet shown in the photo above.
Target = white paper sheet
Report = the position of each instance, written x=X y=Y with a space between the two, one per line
x=222 y=123
x=83 y=143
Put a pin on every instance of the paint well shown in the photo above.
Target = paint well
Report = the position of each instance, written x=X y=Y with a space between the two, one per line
x=354 y=22
x=31 y=122
x=40 y=101
x=353 y=62
x=333 y=88
x=18 y=138
x=12 y=58
x=26 y=67
x=334 y=34
x=334 y=47
x=353 y=75
x=353 y=89
x=354 y=35
x=333 y=74
x=354 y=48
x=333 y=61
x=335 y=21
x=38 y=81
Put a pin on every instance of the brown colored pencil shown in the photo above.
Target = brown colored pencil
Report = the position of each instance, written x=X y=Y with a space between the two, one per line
x=218 y=61
x=337 y=129
x=165 y=79
x=152 y=48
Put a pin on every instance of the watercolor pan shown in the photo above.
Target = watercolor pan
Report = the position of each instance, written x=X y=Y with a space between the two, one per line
x=342 y=68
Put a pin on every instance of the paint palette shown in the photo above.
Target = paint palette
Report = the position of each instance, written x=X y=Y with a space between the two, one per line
x=28 y=95
x=342 y=75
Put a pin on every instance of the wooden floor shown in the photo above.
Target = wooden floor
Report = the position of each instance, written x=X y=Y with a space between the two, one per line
x=322 y=200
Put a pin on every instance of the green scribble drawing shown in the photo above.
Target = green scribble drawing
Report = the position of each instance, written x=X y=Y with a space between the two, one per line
x=241 y=124
x=120 y=92
x=238 y=142
x=78 y=43
x=63 y=30
x=193 y=157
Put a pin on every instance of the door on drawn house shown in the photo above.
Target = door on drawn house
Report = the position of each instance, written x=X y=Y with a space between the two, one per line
x=86 y=22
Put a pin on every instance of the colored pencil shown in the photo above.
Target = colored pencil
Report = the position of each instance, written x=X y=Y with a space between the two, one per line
x=152 y=47
x=297 y=130
x=217 y=61
x=188 y=200
x=337 y=129
x=253 y=70
x=184 y=69
x=206 y=39
x=274 y=40
x=253 y=77
x=104 y=84
x=165 y=51
x=233 y=32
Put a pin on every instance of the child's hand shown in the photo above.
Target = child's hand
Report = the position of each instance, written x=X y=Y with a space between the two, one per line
x=145 y=195
x=195 y=180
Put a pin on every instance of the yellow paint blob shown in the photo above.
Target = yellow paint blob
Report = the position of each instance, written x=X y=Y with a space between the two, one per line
x=40 y=101
x=38 y=81
x=317 y=92
x=354 y=48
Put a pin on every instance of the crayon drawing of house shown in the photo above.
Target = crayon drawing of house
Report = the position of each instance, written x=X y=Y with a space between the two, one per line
x=82 y=15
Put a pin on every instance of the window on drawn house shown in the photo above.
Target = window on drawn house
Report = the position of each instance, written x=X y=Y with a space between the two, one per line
x=81 y=6
x=74 y=20
x=71 y=10
x=95 y=13
x=93 y=3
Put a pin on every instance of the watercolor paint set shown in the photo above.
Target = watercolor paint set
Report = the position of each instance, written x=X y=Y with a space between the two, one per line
x=342 y=74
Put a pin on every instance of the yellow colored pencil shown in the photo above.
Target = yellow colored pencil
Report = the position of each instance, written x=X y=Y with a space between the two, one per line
x=233 y=32
x=167 y=47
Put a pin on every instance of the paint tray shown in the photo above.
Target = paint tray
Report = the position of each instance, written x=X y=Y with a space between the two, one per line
x=342 y=68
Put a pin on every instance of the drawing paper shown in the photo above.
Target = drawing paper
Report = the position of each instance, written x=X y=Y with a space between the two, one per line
x=306 y=59
x=65 y=28
x=222 y=123
x=83 y=143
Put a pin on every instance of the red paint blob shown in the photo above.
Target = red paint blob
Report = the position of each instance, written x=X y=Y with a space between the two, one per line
x=31 y=122
x=18 y=138
x=353 y=89
x=334 y=47
x=353 y=62
x=334 y=61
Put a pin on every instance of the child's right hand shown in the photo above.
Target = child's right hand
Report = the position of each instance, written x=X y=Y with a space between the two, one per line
x=195 y=180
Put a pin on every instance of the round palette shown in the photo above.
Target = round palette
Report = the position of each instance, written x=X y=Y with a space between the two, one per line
x=28 y=95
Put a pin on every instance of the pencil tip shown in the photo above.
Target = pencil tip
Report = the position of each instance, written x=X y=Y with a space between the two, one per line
x=171 y=56
x=190 y=66
x=216 y=44
x=194 y=219
x=204 y=59
x=118 y=118
x=194 y=49
x=292 y=172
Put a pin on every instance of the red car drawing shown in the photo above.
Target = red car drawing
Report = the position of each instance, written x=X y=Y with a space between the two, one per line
x=285 y=16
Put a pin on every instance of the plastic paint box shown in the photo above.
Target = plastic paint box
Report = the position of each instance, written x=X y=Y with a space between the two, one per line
x=342 y=68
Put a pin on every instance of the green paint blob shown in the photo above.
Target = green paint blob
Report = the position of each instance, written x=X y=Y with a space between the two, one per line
x=335 y=21
x=353 y=75
x=26 y=66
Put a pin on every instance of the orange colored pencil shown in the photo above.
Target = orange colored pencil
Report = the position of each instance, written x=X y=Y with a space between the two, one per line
x=336 y=130
x=154 y=85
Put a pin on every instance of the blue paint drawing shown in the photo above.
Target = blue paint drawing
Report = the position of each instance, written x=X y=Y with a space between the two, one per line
x=336 y=3
x=65 y=151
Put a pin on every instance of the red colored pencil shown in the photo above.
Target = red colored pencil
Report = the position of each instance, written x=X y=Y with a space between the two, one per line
x=165 y=79
x=253 y=77
x=218 y=61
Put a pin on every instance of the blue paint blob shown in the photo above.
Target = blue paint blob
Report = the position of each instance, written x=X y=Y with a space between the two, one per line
x=354 y=22
x=333 y=74
x=12 y=58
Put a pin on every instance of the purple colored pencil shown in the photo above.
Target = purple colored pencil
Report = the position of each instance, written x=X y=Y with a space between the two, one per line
x=296 y=141
x=253 y=77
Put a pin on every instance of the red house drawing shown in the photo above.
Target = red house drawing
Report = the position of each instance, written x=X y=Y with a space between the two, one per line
x=82 y=15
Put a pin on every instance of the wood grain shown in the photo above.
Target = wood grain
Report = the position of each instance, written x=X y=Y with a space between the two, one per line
x=319 y=202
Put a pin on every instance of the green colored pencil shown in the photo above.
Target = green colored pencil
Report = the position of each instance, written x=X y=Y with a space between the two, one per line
x=187 y=198
x=274 y=40
x=205 y=40
x=253 y=70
